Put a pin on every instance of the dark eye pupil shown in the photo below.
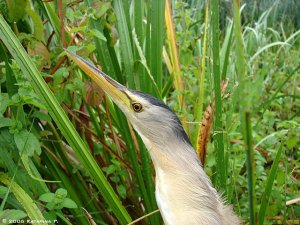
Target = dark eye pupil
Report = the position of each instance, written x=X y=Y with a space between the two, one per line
x=137 y=107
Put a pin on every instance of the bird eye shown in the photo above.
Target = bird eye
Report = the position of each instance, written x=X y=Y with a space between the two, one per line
x=137 y=107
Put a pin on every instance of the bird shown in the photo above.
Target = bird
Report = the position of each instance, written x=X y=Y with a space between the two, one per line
x=183 y=191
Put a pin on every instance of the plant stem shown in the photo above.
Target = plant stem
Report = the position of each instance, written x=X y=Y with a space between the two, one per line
x=218 y=126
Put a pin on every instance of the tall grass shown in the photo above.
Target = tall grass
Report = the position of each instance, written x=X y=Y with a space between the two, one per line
x=178 y=51
x=218 y=127
x=58 y=115
x=245 y=113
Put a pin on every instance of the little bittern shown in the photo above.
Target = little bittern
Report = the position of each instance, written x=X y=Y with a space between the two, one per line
x=184 y=193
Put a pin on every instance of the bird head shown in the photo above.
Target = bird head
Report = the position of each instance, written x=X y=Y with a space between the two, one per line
x=155 y=122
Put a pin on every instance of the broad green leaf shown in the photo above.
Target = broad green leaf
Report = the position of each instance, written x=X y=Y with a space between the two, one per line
x=6 y=122
x=42 y=116
x=122 y=191
x=60 y=75
x=38 y=24
x=16 y=9
x=11 y=214
x=101 y=8
x=27 y=143
x=97 y=34
x=47 y=197
x=68 y=203
x=3 y=191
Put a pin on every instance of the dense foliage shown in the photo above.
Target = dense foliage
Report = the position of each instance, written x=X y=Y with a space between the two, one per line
x=68 y=155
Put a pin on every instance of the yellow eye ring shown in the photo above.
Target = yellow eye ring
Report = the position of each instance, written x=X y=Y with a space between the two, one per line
x=137 y=107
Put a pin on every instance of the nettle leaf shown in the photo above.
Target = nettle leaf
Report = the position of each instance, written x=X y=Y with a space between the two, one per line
x=122 y=191
x=47 y=197
x=4 y=102
x=97 y=34
x=58 y=200
x=68 y=203
x=3 y=191
x=11 y=214
x=290 y=142
x=109 y=170
x=27 y=143
x=101 y=8
x=42 y=116
x=60 y=75
x=16 y=9
x=61 y=193
x=6 y=122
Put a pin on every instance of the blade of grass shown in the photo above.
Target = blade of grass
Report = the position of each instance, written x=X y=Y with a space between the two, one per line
x=144 y=63
x=218 y=126
x=62 y=121
x=226 y=51
x=250 y=165
x=267 y=47
x=199 y=107
x=178 y=81
x=268 y=189
x=138 y=20
x=125 y=44
x=244 y=107
x=25 y=200
x=156 y=41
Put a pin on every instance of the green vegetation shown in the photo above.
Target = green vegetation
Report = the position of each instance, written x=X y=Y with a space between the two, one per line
x=67 y=154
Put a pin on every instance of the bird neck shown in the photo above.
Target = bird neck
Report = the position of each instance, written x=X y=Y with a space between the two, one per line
x=172 y=155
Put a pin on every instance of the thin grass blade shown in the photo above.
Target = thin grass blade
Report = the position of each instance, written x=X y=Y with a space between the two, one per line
x=62 y=121
x=199 y=107
x=268 y=189
x=218 y=126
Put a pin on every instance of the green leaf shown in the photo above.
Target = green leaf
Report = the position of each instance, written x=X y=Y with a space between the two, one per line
x=27 y=143
x=58 y=200
x=42 y=116
x=102 y=9
x=122 y=191
x=68 y=203
x=16 y=9
x=61 y=193
x=110 y=169
x=97 y=34
x=291 y=141
x=125 y=42
x=47 y=197
x=60 y=75
x=11 y=214
x=6 y=122
x=3 y=191
x=38 y=24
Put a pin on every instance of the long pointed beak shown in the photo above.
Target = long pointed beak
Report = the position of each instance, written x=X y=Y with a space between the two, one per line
x=111 y=87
